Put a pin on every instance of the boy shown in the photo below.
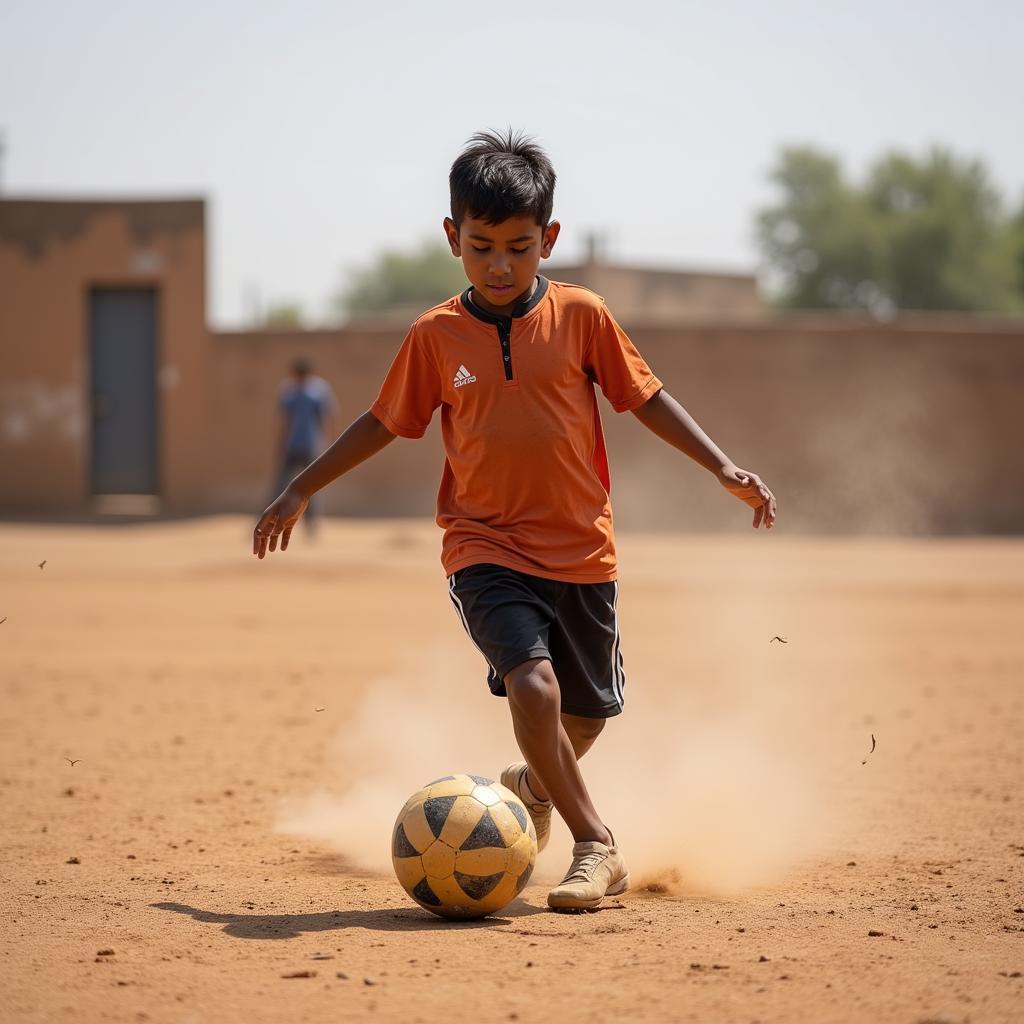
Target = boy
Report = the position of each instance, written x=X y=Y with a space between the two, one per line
x=528 y=545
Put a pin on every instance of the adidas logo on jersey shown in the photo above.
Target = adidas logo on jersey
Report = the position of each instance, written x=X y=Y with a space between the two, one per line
x=463 y=377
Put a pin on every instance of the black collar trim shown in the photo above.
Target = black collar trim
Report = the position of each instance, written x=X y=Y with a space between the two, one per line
x=521 y=309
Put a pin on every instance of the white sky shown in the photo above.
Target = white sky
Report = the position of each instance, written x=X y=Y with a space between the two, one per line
x=321 y=132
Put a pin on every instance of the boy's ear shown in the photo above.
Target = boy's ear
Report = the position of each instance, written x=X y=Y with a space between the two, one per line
x=452 y=234
x=548 y=240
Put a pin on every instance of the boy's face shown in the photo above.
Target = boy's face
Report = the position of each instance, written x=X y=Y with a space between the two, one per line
x=500 y=260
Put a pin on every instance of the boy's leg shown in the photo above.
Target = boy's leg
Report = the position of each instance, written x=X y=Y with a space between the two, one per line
x=510 y=617
x=582 y=733
x=584 y=644
x=598 y=868
x=535 y=702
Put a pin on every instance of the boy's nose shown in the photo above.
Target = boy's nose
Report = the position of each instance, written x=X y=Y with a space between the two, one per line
x=500 y=264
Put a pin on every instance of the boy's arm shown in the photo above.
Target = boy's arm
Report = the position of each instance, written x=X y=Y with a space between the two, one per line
x=664 y=416
x=364 y=437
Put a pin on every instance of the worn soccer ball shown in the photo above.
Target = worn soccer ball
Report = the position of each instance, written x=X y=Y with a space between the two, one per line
x=463 y=846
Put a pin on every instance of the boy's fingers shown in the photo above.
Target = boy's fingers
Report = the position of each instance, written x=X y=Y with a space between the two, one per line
x=285 y=537
x=751 y=490
x=264 y=529
x=256 y=533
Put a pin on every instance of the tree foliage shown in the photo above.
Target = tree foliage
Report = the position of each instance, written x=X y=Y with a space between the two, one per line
x=423 y=277
x=917 y=234
x=283 y=315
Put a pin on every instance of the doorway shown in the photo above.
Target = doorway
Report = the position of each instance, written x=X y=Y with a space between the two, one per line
x=122 y=341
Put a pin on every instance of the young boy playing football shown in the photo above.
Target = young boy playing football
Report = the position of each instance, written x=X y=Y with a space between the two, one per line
x=524 y=502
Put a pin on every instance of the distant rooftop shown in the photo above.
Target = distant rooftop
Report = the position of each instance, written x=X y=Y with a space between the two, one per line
x=661 y=295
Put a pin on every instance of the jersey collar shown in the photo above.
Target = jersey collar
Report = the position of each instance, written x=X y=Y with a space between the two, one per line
x=529 y=303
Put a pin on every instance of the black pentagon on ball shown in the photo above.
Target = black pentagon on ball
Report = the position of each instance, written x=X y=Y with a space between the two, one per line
x=520 y=812
x=436 y=811
x=476 y=887
x=400 y=845
x=425 y=894
x=523 y=879
x=481 y=781
x=485 y=834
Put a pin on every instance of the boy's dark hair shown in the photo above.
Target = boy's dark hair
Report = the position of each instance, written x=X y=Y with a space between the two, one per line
x=498 y=176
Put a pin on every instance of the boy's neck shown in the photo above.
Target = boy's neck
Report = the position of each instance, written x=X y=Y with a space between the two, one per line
x=507 y=309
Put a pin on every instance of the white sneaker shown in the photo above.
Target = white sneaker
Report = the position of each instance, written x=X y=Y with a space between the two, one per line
x=596 y=871
x=514 y=778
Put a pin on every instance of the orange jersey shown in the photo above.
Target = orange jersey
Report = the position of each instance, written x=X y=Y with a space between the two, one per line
x=525 y=482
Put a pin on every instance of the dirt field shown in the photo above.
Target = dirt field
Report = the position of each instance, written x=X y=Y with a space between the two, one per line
x=244 y=733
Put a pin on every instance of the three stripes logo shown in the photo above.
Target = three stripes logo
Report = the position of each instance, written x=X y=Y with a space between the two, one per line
x=463 y=377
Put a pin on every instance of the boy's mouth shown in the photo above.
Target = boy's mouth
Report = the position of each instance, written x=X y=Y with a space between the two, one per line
x=499 y=289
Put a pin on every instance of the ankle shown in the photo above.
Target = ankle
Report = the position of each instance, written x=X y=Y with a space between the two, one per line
x=538 y=797
x=595 y=835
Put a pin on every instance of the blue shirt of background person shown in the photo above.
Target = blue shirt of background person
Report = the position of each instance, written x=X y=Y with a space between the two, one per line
x=306 y=403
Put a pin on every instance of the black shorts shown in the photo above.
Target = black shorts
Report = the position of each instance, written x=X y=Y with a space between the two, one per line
x=512 y=617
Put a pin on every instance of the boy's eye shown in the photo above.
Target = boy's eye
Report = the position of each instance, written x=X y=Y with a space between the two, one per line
x=487 y=248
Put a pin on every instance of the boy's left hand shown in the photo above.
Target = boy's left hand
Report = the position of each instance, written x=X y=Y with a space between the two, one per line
x=748 y=488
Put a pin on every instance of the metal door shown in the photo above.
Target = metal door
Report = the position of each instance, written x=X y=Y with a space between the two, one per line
x=122 y=338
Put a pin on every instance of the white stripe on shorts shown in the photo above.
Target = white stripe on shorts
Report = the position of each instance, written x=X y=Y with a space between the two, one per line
x=465 y=624
x=618 y=675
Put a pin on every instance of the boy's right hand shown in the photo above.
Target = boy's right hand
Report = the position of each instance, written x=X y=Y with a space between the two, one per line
x=278 y=521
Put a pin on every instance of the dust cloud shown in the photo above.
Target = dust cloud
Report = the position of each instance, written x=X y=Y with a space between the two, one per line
x=711 y=795
x=706 y=803
x=412 y=726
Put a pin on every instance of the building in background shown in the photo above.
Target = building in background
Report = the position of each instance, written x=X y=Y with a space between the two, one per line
x=651 y=295
x=116 y=398
x=105 y=355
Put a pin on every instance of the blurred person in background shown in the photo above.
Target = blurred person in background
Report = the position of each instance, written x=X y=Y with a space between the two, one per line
x=307 y=405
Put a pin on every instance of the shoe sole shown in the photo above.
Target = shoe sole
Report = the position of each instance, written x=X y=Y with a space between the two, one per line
x=568 y=903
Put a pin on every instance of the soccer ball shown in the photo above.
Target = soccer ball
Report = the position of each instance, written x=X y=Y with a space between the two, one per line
x=463 y=846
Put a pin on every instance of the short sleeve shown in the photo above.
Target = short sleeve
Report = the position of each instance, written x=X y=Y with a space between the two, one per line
x=411 y=390
x=616 y=365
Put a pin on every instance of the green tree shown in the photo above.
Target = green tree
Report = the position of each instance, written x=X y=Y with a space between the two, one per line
x=918 y=234
x=1015 y=243
x=423 y=277
x=283 y=315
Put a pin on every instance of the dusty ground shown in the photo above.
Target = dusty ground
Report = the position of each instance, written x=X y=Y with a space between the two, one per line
x=220 y=835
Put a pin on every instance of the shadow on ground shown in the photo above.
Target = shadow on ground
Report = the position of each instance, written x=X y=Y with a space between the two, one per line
x=387 y=919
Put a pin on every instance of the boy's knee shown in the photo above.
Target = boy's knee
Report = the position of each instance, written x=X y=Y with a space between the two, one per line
x=588 y=728
x=533 y=686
